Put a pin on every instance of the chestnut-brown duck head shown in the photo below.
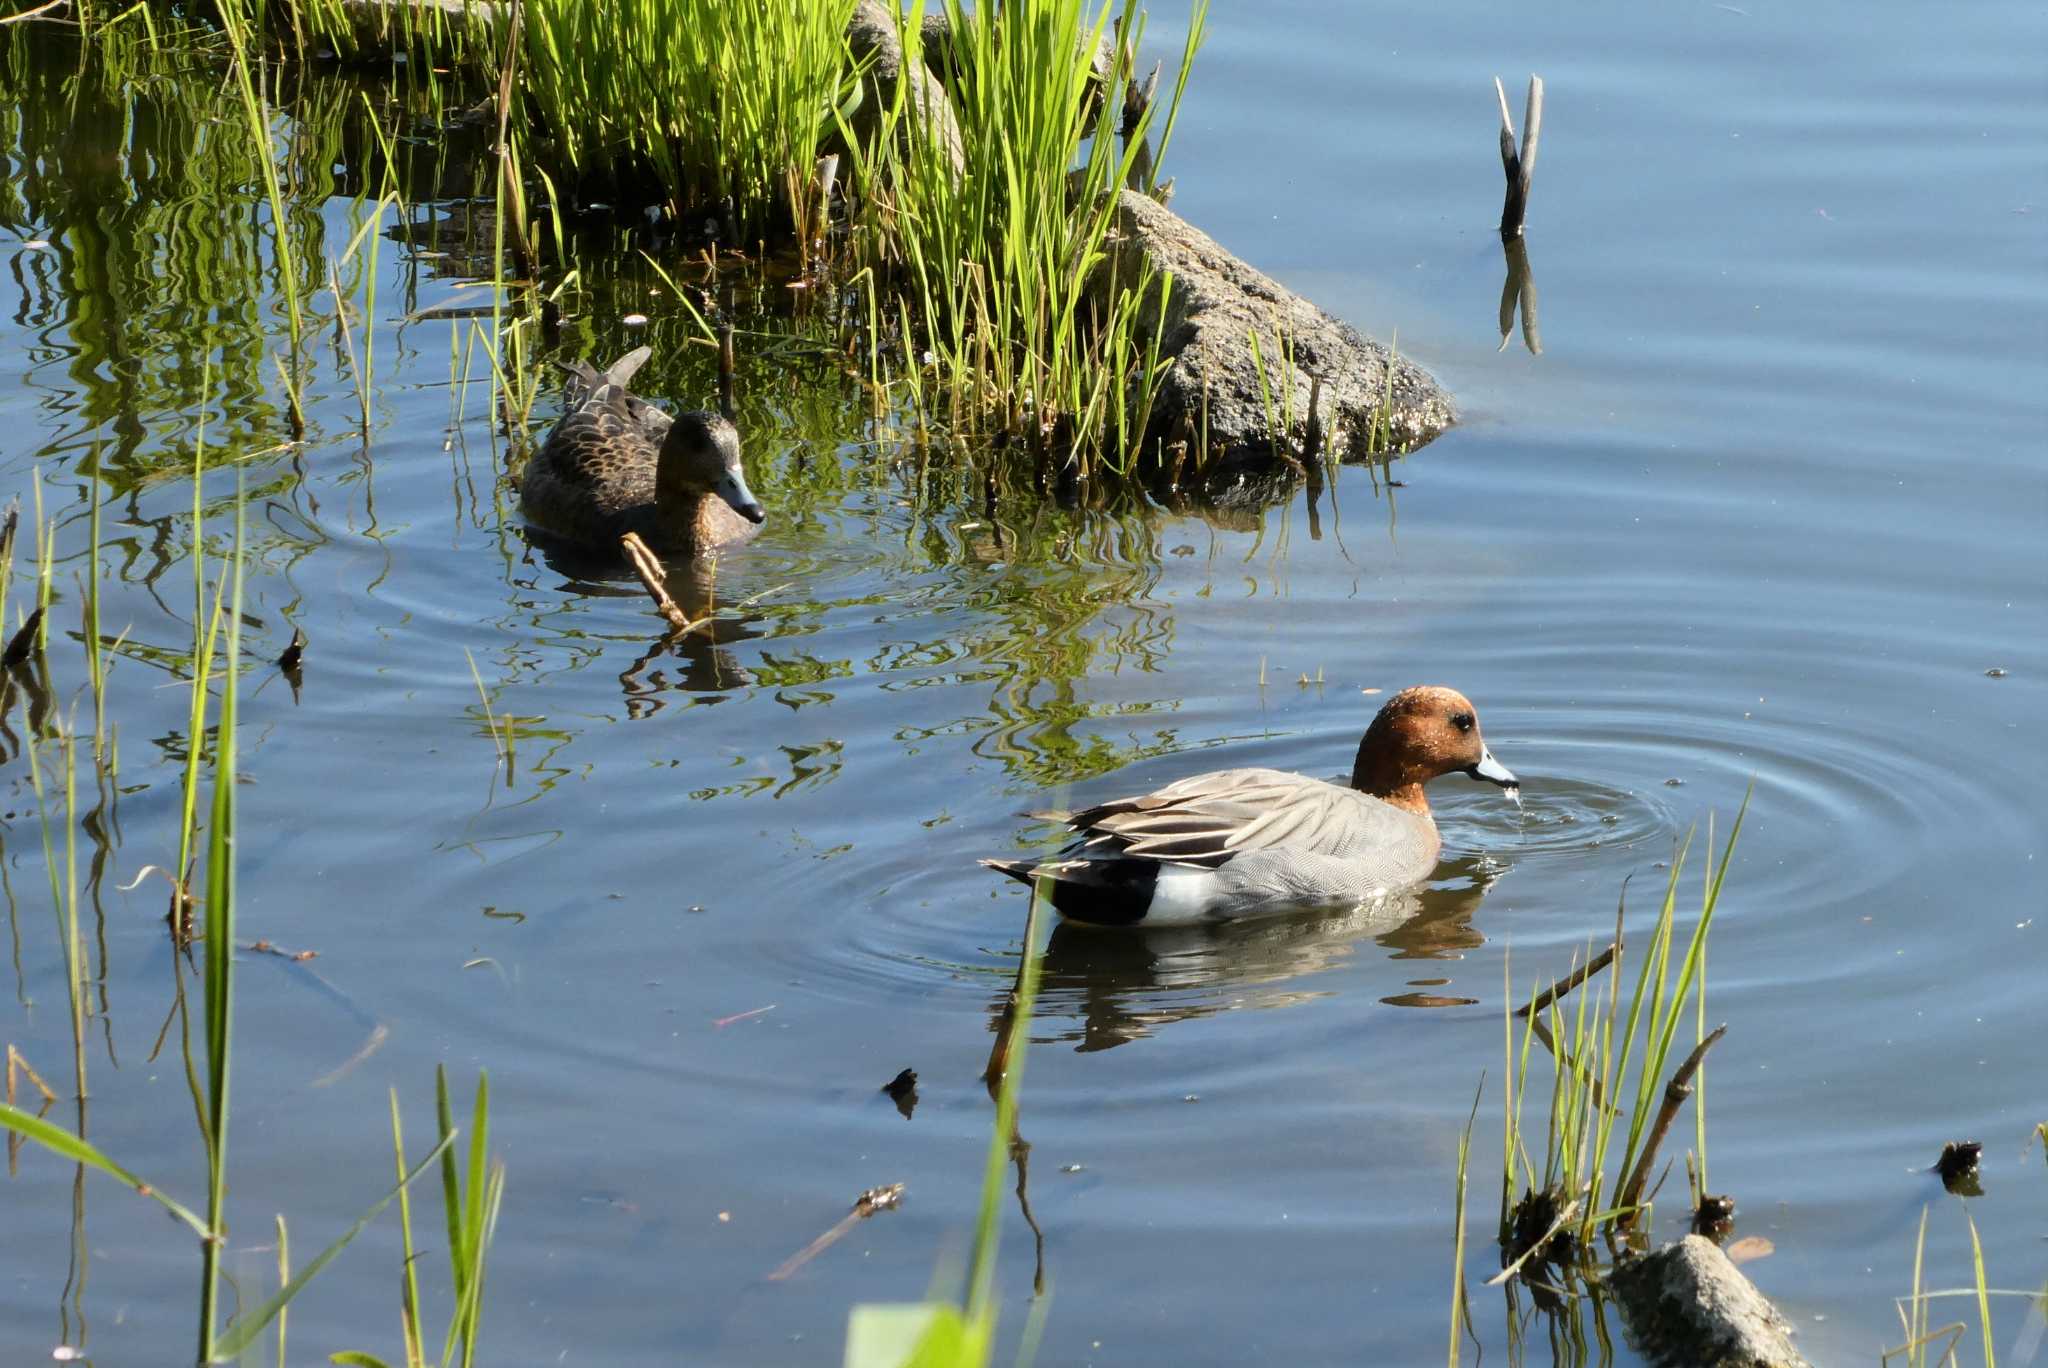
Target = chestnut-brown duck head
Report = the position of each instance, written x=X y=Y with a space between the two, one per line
x=1420 y=734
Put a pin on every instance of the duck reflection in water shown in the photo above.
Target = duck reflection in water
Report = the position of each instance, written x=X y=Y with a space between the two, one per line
x=696 y=661
x=1103 y=988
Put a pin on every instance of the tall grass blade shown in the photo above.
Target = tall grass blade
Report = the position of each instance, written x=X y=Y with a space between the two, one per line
x=81 y=1151
x=243 y=1332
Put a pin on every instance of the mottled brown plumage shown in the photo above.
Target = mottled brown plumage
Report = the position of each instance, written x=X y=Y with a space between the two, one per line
x=616 y=464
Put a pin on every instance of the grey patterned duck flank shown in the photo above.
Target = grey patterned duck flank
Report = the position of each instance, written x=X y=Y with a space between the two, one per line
x=1246 y=842
x=615 y=463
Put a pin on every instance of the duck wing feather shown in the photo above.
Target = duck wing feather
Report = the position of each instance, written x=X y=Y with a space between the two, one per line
x=1211 y=818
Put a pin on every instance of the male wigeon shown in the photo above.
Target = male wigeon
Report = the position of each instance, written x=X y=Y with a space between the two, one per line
x=616 y=464
x=1243 y=842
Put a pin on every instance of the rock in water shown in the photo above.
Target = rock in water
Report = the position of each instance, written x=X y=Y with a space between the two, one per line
x=1688 y=1304
x=872 y=30
x=1215 y=304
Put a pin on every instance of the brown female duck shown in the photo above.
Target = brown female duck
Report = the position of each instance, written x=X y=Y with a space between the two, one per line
x=616 y=464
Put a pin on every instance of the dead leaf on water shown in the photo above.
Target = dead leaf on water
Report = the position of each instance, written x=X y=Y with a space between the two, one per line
x=1750 y=1247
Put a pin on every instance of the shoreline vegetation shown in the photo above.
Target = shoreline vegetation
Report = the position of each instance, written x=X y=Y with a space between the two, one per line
x=971 y=202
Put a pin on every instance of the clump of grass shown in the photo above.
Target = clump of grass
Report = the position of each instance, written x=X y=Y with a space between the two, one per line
x=1604 y=1052
x=998 y=251
x=1914 y=1308
x=716 y=104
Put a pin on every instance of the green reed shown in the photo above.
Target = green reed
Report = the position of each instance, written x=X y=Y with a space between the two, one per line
x=1003 y=247
x=1605 y=1061
x=713 y=104
x=216 y=1343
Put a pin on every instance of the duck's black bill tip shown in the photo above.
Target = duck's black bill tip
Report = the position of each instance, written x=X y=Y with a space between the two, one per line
x=1494 y=772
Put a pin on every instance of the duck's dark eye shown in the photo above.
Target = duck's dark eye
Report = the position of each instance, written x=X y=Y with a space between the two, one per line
x=1462 y=721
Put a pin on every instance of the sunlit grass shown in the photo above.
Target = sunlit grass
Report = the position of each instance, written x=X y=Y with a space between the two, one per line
x=473 y=1198
x=721 y=108
x=1603 y=1056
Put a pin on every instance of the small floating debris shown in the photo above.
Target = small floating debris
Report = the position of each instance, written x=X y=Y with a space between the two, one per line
x=724 y=1022
x=1428 y=1000
x=902 y=1090
x=867 y=1204
x=1749 y=1248
x=1958 y=1167
x=635 y=320
x=1714 y=1215
x=1192 y=1097
x=1674 y=783
x=1995 y=672
x=1073 y=1168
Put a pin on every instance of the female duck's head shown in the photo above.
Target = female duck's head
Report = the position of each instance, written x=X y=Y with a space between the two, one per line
x=701 y=455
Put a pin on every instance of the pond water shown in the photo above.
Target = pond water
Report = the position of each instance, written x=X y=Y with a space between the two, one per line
x=1767 y=509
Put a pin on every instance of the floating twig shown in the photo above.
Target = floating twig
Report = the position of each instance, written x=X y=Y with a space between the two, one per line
x=648 y=568
x=864 y=1206
x=264 y=947
x=1519 y=166
x=724 y=1022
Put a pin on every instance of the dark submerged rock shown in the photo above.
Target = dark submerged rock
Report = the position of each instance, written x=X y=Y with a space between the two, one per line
x=1214 y=306
x=1688 y=1304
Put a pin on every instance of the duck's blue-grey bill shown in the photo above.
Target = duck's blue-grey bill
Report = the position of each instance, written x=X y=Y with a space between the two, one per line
x=1493 y=771
x=733 y=489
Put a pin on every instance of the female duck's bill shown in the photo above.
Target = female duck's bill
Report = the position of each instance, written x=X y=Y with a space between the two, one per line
x=1247 y=842
x=732 y=487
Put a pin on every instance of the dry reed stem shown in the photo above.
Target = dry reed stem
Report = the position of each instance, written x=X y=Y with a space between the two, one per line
x=1675 y=1093
x=1571 y=980
x=864 y=1206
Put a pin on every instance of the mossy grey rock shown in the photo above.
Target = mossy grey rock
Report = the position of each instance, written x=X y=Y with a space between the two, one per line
x=872 y=31
x=1688 y=1304
x=936 y=34
x=1214 y=306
